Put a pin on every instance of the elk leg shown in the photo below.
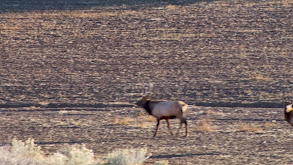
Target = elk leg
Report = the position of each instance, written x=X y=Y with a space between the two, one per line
x=180 y=126
x=186 y=128
x=168 y=124
x=157 y=127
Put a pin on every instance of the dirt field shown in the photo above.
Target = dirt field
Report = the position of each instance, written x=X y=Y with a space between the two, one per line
x=235 y=136
x=71 y=76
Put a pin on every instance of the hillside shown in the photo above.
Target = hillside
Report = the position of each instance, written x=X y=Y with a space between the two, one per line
x=221 y=53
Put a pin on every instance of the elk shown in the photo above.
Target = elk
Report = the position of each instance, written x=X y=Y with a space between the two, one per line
x=165 y=110
x=288 y=112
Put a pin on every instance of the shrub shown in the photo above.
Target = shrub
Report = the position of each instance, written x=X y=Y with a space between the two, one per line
x=28 y=153
x=24 y=153
x=162 y=162
x=127 y=157
x=250 y=128
x=76 y=155
x=205 y=126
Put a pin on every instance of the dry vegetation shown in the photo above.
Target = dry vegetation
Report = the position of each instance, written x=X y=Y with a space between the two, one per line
x=28 y=153
x=204 y=126
x=67 y=77
x=250 y=128
x=142 y=120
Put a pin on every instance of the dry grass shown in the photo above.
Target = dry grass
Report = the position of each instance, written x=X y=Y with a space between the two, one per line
x=172 y=7
x=127 y=157
x=260 y=77
x=265 y=95
x=44 y=103
x=268 y=125
x=131 y=122
x=116 y=120
x=204 y=126
x=27 y=153
x=145 y=117
x=162 y=162
x=124 y=120
x=211 y=112
x=250 y=128
x=143 y=120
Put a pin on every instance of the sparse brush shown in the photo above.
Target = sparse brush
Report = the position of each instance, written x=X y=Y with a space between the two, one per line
x=28 y=153
x=210 y=112
x=260 y=77
x=44 y=103
x=77 y=154
x=268 y=125
x=128 y=157
x=250 y=128
x=116 y=120
x=162 y=162
x=126 y=121
x=143 y=121
x=171 y=7
x=7 y=157
x=123 y=121
x=205 y=126
x=24 y=153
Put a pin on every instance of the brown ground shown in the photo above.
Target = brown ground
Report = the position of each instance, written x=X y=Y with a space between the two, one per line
x=236 y=135
x=68 y=76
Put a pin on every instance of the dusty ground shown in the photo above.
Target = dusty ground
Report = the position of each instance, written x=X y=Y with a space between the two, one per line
x=217 y=53
x=69 y=76
x=235 y=136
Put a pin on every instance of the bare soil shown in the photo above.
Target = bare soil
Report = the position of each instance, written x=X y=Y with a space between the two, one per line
x=67 y=74
x=237 y=135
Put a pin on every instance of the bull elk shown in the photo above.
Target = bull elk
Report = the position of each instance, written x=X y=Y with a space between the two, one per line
x=165 y=110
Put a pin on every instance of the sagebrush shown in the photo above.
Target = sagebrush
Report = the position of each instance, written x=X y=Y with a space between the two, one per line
x=28 y=153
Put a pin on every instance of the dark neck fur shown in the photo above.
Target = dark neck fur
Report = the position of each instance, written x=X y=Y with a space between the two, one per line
x=147 y=107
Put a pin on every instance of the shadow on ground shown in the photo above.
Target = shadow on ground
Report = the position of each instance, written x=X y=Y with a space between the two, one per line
x=104 y=105
x=29 y=5
x=183 y=155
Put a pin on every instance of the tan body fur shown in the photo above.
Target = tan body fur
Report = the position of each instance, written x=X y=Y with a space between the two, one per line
x=166 y=109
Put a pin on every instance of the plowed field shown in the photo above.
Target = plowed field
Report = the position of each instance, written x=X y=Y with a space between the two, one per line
x=71 y=76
